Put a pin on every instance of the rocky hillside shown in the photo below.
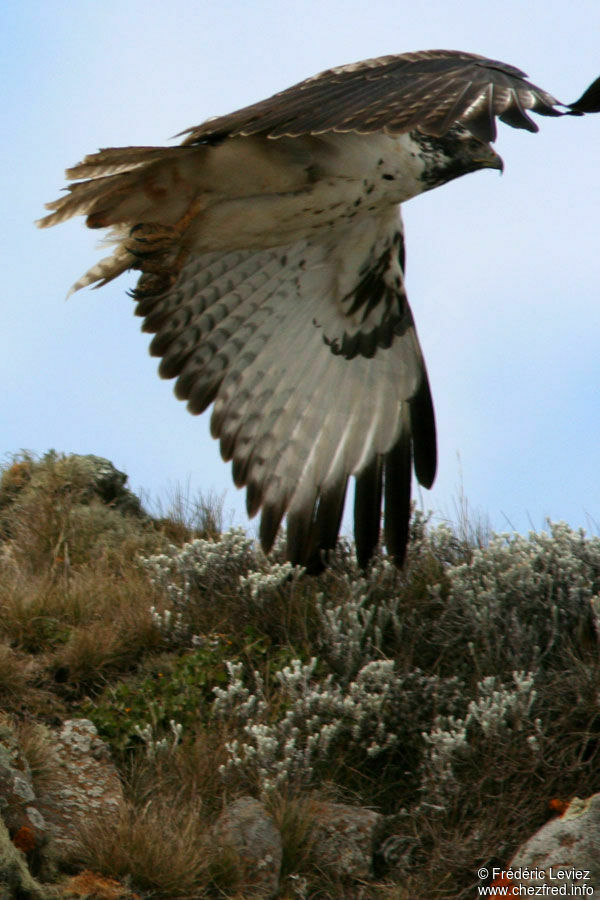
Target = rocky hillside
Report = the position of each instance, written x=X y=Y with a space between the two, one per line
x=181 y=717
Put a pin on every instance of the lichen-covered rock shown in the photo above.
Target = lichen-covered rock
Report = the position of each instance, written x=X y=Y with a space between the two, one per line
x=85 y=785
x=564 y=852
x=343 y=838
x=15 y=878
x=18 y=805
x=246 y=826
x=108 y=483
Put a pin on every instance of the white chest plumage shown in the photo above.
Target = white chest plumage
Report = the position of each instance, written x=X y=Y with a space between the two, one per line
x=340 y=178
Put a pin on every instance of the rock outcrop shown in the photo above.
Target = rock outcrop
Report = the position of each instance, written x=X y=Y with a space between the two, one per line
x=85 y=785
x=247 y=827
x=564 y=853
x=344 y=838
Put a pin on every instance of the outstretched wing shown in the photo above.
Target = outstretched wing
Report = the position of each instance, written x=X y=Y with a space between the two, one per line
x=314 y=378
x=430 y=90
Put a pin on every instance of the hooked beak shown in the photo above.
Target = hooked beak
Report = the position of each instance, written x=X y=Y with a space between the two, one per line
x=489 y=159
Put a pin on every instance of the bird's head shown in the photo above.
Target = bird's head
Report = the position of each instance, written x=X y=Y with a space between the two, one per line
x=454 y=154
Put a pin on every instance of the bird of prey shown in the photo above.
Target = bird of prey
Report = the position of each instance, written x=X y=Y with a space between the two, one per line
x=272 y=257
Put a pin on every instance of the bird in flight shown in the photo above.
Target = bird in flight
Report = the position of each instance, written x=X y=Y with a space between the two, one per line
x=271 y=253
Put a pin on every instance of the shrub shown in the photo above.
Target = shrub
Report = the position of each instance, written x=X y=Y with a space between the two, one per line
x=153 y=708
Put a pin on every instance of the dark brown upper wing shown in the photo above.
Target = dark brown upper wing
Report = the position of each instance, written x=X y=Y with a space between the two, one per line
x=430 y=90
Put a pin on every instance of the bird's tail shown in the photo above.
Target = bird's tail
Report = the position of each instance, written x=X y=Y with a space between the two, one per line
x=122 y=187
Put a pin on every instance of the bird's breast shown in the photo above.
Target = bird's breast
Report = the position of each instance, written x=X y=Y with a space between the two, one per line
x=337 y=178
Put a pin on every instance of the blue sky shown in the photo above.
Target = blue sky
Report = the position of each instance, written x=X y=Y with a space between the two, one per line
x=503 y=272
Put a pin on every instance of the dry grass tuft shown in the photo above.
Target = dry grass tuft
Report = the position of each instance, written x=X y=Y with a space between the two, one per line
x=39 y=746
x=162 y=841
x=183 y=517
x=115 y=629
x=295 y=820
x=161 y=848
x=190 y=770
x=15 y=673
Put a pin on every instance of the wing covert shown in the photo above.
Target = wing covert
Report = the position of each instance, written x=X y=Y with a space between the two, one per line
x=430 y=90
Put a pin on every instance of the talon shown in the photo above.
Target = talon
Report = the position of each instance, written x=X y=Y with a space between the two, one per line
x=158 y=252
x=152 y=284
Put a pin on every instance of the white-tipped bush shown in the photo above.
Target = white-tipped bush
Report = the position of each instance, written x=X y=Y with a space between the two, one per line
x=206 y=569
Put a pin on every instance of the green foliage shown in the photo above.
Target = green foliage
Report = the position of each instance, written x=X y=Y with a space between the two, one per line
x=177 y=690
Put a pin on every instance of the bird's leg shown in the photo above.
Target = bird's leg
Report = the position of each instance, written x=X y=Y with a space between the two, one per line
x=156 y=240
x=160 y=250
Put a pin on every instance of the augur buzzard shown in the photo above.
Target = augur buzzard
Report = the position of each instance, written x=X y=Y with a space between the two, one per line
x=271 y=250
